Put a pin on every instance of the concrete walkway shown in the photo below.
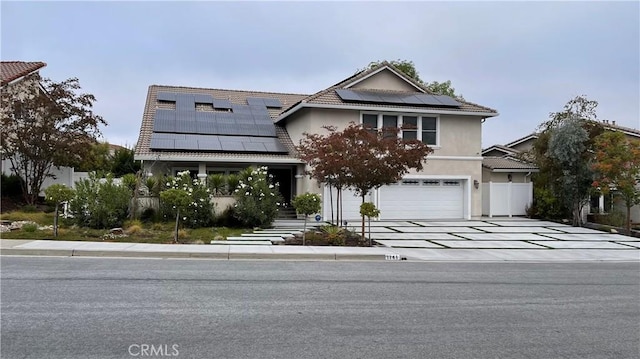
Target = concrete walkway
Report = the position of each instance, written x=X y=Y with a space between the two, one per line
x=480 y=240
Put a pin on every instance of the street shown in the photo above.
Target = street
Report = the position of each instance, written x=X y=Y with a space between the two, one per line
x=65 y=307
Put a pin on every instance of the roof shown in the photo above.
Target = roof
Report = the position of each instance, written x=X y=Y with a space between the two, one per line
x=500 y=148
x=144 y=152
x=13 y=70
x=626 y=130
x=328 y=97
x=507 y=164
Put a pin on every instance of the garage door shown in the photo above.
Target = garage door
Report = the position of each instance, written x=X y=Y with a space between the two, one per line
x=422 y=199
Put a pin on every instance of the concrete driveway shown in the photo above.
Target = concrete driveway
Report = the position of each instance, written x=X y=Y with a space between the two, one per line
x=496 y=233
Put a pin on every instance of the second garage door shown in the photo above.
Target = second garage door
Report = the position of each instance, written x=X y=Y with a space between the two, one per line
x=422 y=199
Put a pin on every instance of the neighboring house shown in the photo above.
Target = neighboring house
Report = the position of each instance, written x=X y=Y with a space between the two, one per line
x=20 y=73
x=221 y=131
x=512 y=150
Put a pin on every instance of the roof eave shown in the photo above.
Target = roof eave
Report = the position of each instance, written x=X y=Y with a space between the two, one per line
x=188 y=158
x=388 y=109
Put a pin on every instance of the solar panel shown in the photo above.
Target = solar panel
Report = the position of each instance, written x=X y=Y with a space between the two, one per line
x=202 y=98
x=166 y=96
x=205 y=116
x=186 y=127
x=186 y=115
x=348 y=95
x=447 y=100
x=207 y=127
x=161 y=144
x=272 y=103
x=254 y=147
x=255 y=101
x=417 y=99
x=429 y=100
x=185 y=102
x=233 y=146
x=165 y=114
x=221 y=103
x=210 y=143
x=186 y=145
x=164 y=125
x=274 y=146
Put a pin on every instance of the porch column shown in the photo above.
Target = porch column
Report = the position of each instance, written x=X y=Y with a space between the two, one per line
x=202 y=172
x=601 y=204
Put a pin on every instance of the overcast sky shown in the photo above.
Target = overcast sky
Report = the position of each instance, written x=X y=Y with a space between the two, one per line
x=524 y=59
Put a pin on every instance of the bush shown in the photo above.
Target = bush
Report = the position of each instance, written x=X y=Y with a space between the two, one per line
x=10 y=185
x=227 y=219
x=199 y=212
x=30 y=227
x=614 y=219
x=29 y=209
x=100 y=203
x=257 y=199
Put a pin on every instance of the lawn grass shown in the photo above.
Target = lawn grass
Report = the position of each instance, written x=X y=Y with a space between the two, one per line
x=135 y=231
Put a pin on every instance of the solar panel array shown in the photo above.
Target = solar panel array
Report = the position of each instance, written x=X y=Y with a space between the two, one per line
x=417 y=99
x=229 y=127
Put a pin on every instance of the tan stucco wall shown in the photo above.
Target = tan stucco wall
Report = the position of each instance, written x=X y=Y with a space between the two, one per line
x=459 y=137
x=385 y=80
x=502 y=177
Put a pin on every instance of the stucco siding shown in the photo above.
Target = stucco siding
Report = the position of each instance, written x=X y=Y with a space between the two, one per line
x=385 y=80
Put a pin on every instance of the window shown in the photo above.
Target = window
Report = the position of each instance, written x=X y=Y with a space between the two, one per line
x=409 y=128
x=412 y=127
x=429 y=130
x=370 y=122
x=389 y=126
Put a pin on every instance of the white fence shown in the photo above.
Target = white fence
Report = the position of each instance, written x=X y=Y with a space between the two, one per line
x=506 y=199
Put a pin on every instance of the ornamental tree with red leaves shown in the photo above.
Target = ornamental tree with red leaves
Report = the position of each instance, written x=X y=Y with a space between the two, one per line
x=360 y=159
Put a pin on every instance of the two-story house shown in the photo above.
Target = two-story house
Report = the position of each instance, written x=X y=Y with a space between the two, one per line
x=222 y=131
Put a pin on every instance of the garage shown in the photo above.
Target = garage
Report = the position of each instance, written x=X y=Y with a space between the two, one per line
x=421 y=198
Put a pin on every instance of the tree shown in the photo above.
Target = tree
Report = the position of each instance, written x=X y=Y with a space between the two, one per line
x=617 y=168
x=98 y=159
x=123 y=162
x=178 y=199
x=45 y=124
x=568 y=148
x=307 y=203
x=359 y=159
x=57 y=194
x=369 y=210
x=549 y=195
x=408 y=68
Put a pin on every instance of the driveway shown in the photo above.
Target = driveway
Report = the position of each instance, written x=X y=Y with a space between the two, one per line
x=496 y=233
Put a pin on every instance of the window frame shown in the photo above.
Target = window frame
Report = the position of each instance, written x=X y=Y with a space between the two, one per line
x=399 y=120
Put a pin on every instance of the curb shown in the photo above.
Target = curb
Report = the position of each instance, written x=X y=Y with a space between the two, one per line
x=215 y=255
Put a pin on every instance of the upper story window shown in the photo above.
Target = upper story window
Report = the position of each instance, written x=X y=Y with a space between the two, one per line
x=411 y=127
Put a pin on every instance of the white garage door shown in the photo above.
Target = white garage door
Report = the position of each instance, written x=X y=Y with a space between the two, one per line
x=422 y=199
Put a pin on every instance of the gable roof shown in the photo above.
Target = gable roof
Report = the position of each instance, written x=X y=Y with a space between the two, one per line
x=507 y=164
x=13 y=70
x=328 y=98
x=143 y=150
x=500 y=148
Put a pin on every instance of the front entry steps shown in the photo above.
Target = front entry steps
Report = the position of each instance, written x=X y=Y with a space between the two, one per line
x=282 y=230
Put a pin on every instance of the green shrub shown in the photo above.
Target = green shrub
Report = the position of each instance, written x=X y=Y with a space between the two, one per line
x=100 y=203
x=30 y=227
x=216 y=183
x=614 y=219
x=199 y=211
x=29 y=208
x=257 y=199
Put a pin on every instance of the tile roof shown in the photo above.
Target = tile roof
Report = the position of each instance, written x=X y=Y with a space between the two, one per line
x=507 y=163
x=13 y=70
x=329 y=96
x=505 y=149
x=143 y=150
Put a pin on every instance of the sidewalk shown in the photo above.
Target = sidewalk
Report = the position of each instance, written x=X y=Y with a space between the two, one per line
x=281 y=252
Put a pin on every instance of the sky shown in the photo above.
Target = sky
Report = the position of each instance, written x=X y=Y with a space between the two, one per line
x=524 y=59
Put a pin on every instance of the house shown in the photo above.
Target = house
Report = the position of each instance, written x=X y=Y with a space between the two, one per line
x=222 y=131
x=20 y=74
x=521 y=169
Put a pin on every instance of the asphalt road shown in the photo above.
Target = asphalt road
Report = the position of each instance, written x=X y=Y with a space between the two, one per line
x=132 y=308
